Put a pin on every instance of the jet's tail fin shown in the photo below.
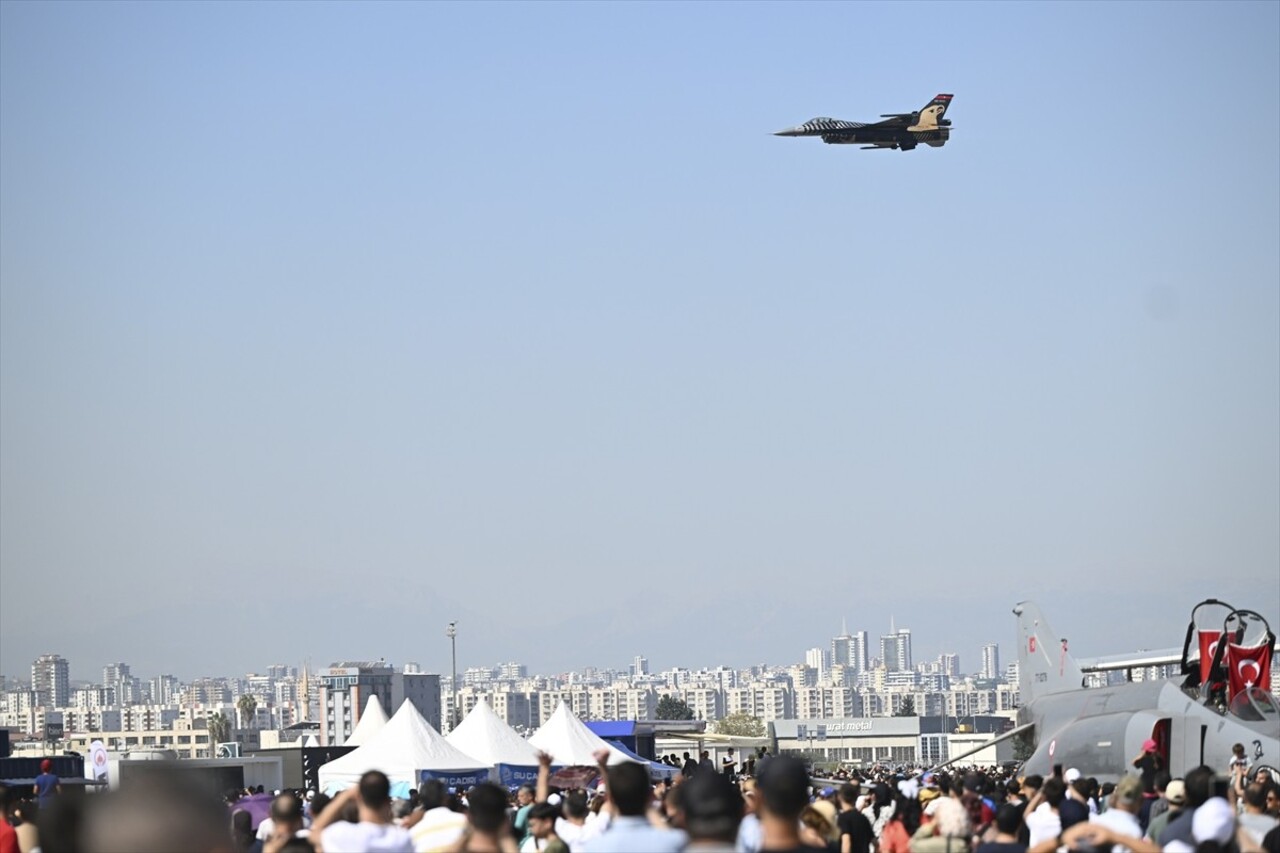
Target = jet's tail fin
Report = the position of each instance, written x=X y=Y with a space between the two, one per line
x=1044 y=663
x=931 y=113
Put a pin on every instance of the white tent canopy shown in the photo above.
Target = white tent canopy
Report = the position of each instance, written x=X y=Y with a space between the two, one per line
x=570 y=743
x=371 y=722
x=485 y=736
x=406 y=745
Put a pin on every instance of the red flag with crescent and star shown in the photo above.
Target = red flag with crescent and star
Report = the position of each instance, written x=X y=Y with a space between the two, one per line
x=1248 y=667
x=1208 y=645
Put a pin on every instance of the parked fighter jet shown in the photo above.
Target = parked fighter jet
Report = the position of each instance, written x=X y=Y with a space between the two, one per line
x=903 y=131
x=1220 y=698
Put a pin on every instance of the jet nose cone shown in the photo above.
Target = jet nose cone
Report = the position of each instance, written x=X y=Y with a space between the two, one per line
x=790 y=131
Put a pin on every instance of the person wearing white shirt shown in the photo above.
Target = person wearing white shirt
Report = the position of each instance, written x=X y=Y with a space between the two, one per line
x=375 y=833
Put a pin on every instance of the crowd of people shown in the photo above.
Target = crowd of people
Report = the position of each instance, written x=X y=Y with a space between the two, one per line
x=764 y=804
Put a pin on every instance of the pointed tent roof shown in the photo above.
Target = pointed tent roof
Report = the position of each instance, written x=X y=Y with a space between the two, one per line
x=371 y=722
x=570 y=743
x=405 y=745
x=485 y=736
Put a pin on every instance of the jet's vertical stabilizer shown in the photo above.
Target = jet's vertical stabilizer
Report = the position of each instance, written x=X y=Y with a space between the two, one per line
x=930 y=115
x=1044 y=663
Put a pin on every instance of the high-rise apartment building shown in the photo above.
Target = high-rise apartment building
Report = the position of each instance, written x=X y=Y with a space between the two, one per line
x=51 y=681
x=991 y=661
x=511 y=671
x=859 y=654
x=345 y=688
x=895 y=650
x=639 y=666
x=816 y=659
x=842 y=648
x=949 y=664
x=120 y=683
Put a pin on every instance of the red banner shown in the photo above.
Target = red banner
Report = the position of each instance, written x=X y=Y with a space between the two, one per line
x=1248 y=667
x=1208 y=645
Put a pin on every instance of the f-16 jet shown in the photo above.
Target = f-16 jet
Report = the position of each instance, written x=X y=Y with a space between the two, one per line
x=903 y=131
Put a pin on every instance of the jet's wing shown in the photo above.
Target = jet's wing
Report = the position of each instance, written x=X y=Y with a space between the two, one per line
x=1014 y=732
x=896 y=122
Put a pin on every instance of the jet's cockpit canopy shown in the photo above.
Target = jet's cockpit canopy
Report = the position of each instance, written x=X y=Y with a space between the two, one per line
x=1256 y=707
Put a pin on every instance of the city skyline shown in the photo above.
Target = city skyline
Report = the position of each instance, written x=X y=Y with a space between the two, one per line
x=841 y=651
x=322 y=325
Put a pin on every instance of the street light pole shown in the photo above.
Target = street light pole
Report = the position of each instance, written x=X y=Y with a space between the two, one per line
x=452 y=633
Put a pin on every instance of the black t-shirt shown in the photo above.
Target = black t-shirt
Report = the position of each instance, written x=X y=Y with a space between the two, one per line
x=799 y=848
x=1148 y=764
x=858 y=828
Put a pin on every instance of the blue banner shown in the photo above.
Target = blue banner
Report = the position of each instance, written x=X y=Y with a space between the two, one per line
x=515 y=775
x=458 y=779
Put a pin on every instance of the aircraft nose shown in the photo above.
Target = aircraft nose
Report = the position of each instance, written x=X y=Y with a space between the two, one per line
x=790 y=131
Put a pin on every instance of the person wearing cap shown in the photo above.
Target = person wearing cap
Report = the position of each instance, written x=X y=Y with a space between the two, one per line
x=1175 y=797
x=1148 y=763
x=47 y=784
x=1074 y=808
x=1214 y=823
x=1199 y=788
x=1122 y=817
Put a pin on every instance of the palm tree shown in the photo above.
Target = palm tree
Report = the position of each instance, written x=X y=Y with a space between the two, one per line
x=246 y=704
x=219 y=730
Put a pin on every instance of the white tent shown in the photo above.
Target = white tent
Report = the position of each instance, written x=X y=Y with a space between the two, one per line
x=485 y=736
x=404 y=747
x=371 y=722
x=570 y=743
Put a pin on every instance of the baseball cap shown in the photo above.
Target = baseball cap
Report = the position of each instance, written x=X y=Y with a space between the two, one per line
x=1214 y=821
x=1129 y=790
x=1071 y=775
x=1176 y=792
x=1148 y=745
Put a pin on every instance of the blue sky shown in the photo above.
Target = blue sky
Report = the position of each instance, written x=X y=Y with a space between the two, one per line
x=324 y=324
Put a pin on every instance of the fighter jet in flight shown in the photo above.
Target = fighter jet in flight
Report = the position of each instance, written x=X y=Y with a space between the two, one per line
x=903 y=131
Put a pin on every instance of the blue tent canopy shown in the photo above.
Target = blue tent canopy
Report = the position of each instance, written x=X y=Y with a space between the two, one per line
x=613 y=728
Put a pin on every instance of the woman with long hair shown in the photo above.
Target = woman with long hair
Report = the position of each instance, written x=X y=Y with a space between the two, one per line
x=896 y=837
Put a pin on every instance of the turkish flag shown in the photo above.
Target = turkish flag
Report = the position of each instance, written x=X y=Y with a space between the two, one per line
x=1208 y=645
x=1248 y=667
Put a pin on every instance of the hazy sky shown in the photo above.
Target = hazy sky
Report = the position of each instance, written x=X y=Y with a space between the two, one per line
x=324 y=324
